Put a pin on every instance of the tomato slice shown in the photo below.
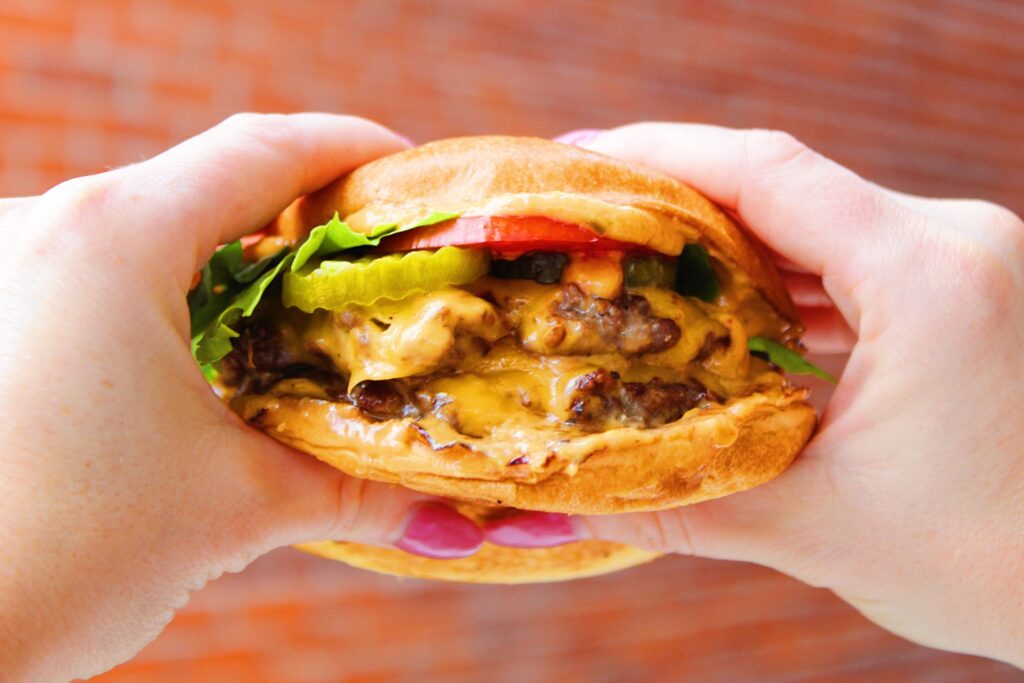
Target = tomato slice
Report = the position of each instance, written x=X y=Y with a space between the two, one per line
x=512 y=234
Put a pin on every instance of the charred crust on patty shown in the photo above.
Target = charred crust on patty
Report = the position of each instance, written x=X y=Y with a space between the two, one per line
x=384 y=400
x=580 y=323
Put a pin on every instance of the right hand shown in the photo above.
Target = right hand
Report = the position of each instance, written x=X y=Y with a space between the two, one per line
x=909 y=501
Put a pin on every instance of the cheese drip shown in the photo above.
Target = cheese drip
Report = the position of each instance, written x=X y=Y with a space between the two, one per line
x=471 y=354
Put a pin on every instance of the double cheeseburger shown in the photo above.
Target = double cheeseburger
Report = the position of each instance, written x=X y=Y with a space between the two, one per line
x=511 y=324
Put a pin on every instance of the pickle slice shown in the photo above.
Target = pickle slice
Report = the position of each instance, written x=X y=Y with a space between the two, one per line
x=649 y=271
x=334 y=284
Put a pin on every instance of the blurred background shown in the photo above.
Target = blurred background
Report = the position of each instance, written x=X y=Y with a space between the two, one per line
x=923 y=96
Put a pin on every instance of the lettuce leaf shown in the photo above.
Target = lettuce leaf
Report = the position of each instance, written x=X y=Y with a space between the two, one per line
x=695 y=276
x=230 y=289
x=221 y=281
x=785 y=358
x=213 y=341
x=335 y=236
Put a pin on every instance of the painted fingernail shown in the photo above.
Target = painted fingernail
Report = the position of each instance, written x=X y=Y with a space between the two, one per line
x=438 y=531
x=532 y=530
x=578 y=137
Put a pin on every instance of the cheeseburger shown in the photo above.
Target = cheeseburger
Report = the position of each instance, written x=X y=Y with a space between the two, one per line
x=512 y=324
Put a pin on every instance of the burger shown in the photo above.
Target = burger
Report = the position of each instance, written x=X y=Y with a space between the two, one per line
x=511 y=324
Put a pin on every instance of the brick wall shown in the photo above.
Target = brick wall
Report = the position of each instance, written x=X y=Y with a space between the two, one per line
x=924 y=96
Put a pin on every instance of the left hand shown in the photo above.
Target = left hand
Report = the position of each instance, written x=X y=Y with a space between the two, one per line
x=124 y=482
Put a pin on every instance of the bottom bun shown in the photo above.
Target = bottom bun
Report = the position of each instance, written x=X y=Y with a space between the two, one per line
x=491 y=564
x=705 y=454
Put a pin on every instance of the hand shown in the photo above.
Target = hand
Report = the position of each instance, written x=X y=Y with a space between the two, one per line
x=909 y=501
x=125 y=483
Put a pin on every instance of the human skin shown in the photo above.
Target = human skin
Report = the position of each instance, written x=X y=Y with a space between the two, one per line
x=908 y=503
x=124 y=482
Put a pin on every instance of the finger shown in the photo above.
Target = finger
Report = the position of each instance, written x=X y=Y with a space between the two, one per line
x=785 y=264
x=13 y=218
x=942 y=209
x=826 y=330
x=985 y=221
x=769 y=525
x=8 y=204
x=810 y=210
x=806 y=289
x=235 y=177
x=300 y=499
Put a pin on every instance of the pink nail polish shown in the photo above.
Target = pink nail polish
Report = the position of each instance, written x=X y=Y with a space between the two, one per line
x=438 y=531
x=532 y=530
x=578 y=137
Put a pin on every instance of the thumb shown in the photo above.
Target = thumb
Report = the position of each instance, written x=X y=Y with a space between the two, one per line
x=779 y=524
x=295 y=498
x=783 y=191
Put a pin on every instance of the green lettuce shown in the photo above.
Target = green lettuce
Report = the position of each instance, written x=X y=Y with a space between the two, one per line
x=335 y=236
x=785 y=358
x=695 y=276
x=230 y=289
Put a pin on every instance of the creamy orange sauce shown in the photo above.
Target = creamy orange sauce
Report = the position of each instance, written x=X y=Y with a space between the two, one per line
x=484 y=379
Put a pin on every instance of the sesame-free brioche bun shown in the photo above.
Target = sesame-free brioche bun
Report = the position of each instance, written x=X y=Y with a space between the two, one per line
x=707 y=453
x=500 y=175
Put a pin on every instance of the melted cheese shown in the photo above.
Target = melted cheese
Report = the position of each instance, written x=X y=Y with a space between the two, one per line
x=417 y=336
x=694 y=324
x=599 y=274
x=470 y=402
x=479 y=377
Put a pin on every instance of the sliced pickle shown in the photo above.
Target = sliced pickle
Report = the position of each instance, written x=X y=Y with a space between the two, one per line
x=649 y=271
x=334 y=284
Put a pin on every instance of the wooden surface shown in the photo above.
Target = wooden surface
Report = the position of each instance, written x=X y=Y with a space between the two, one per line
x=924 y=96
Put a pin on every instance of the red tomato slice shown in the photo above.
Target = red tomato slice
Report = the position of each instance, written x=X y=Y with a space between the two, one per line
x=504 y=233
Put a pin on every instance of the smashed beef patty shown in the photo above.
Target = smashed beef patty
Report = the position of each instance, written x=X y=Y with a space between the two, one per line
x=571 y=322
x=565 y=321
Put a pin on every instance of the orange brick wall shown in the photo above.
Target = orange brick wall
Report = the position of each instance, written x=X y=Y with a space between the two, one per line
x=925 y=96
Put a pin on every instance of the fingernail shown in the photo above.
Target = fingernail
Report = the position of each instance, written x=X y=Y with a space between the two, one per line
x=578 y=137
x=532 y=530
x=440 y=532
x=404 y=138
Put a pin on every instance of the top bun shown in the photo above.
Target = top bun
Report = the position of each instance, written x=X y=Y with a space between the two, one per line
x=501 y=175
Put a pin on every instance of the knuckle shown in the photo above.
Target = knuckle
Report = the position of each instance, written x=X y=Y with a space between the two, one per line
x=978 y=268
x=76 y=212
x=1005 y=226
x=992 y=215
x=772 y=148
x=82 y=196
x=673 y=532
x=13 y=212
x=988 y=251
x=269 y=129
x=343 y=516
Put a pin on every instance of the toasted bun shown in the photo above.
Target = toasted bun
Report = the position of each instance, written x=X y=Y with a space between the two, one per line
x=498 y=175
x=491 y=564
x=703 y=455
